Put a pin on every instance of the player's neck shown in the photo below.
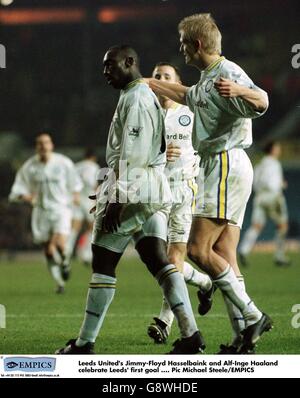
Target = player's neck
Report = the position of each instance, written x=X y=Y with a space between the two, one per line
x=207 y=60
x=134 y=76
x=45 y=158
x=167 y=103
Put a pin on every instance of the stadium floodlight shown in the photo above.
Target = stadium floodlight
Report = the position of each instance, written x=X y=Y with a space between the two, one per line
x=6 y=2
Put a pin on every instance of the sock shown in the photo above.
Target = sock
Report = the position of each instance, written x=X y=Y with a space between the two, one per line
x=176 y=294
x=166 y=314
x=280 y=245
x=71 y=244
x=228 y=283
x=196 y=278
x=100 y=295
x=248 y=241
x=235 y=316
x=55 y=271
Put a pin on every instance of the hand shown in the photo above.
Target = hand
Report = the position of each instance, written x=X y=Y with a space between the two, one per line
x=31 y=199
x=173 y=152
x=146 y=80
x=93 y=209
x=112 y=217
x=76 y=198
x=228 y=88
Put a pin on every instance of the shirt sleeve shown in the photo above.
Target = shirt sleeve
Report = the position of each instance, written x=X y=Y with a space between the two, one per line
x=237 y=106
x=21 y=185
x=191 y=97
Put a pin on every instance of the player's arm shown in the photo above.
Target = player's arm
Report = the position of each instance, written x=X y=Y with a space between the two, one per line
x=76 y=198
x=135 y=148
x=175 y=91
x=73 y=182
x=256 y=98
x=21 y=190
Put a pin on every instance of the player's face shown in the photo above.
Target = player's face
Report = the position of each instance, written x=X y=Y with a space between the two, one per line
x=188 y=49
x=44 y=145
x=276 y=150
x=165 y=73
x=114 y=70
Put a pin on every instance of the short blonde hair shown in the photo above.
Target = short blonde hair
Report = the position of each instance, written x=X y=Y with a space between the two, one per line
x=202 y=27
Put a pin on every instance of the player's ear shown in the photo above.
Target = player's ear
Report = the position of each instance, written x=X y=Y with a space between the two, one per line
x=197 y=45
x=129 y=61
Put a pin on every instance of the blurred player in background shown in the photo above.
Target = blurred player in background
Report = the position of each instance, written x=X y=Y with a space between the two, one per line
x=182 y=168
x=269 y=202
x=223 y=102
x=49 y=182
x=87 y=170
x=126 y=208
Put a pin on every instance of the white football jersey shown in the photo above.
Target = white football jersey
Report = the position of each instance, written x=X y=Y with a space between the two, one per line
x=221 y=123
x=137 y=139
x=268 y=176
x=179 y=126
x=88 y=172
x=52 y=183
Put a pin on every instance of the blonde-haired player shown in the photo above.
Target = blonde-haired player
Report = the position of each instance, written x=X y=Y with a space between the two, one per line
x=223 y=101
x=181 y=169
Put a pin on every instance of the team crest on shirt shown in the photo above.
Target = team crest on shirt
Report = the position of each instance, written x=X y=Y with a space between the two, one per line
x=184 y=120
x=134 y=131
x=209 y=86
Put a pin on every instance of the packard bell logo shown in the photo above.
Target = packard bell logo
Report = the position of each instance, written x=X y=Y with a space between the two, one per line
x=2 y=57
x=28 y=364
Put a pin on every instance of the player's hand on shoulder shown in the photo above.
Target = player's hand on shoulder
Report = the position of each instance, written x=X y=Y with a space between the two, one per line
x=146 y=80
x=227 y=88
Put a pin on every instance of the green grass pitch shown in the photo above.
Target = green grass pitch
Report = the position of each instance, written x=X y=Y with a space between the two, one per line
x=39 y=321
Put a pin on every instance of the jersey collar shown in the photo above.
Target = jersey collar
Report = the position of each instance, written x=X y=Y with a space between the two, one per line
x=133 y=83
x=214 y=64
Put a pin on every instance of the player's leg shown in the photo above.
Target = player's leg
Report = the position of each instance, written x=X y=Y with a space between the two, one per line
x=61 y=220
x=53 y=264
x=85 y=252
x=279 y=215
x=41 y=231
x=161 y=327
x=107 y=250
x=258 y=220
x=226 y=247
x=60 y=242
x=179 y=226
x=204 y=236
x=152 y=248
x=75 y=230
x=280 y=241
